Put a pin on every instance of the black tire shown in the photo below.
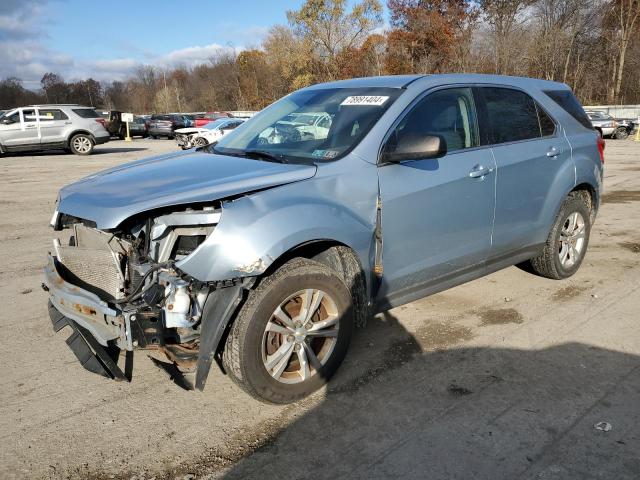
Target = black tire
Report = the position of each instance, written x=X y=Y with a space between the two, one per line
x=81 y=144
x=243 y=353
x=621 y=134
x=201 y=142
x=548 y=264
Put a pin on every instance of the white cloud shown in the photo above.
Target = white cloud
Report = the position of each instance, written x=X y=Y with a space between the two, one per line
x=24 y=53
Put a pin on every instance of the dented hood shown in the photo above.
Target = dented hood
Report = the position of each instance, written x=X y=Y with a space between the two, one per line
x=113 y=195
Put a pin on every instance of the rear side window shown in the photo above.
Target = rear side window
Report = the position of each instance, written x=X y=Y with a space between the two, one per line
x=86 y=112
x=571 y=105
x=52 y=114
x=512 y=115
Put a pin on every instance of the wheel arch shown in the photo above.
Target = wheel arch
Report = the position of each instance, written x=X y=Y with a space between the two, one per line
x=590 y=196
x=77 y=132
x=343 y=260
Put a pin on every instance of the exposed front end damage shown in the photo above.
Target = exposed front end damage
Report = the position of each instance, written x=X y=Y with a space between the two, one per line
x=121 y=290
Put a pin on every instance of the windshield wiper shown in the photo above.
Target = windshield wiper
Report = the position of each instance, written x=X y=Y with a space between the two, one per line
x=272 y=157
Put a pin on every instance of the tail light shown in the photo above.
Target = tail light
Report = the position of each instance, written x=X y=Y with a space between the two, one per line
x=102 y=122
x=601 y=145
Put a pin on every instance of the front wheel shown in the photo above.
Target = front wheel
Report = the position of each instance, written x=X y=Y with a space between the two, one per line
x=81 y=144
x=567 y=242
x=291 y=334
x=201 y=142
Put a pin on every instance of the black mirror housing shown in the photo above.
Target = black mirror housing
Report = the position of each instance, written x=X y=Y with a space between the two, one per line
x=416 y=148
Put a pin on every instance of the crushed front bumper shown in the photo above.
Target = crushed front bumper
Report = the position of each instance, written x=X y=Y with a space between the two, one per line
x=85 y=308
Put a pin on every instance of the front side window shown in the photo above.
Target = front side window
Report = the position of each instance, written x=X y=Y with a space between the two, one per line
x=13 y=118
x=512 y=115
x=449 y=114
x=279 y=133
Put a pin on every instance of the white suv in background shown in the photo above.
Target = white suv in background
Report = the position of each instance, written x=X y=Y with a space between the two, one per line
x=45 y=127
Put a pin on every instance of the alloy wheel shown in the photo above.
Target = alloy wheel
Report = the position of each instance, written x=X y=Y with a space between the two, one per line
x=300 y=336
x=572 y=239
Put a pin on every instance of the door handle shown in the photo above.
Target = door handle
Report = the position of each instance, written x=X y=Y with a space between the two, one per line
x=479 y=171
x=68 y=123
x=553 y=152
x=30 y=126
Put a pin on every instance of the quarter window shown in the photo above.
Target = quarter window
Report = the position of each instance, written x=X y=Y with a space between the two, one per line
x=512 y=115
x=547 y=126
x=448 y=113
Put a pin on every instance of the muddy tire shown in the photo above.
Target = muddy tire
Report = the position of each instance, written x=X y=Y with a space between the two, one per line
x=567 y=242
x=291 y=334
x=81 y=144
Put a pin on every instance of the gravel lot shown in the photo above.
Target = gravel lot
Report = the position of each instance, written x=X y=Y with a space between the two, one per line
x=504 y=377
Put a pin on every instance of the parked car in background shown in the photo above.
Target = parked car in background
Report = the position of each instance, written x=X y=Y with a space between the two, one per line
x=45 y=127
x=164 y=125
x=305 y=126
x=138 y=128
x=189 y=120
x=604 y=123
x=625 y=127
x=209 y=134
x=113 y=122
x=263 y=256
x=202 y=120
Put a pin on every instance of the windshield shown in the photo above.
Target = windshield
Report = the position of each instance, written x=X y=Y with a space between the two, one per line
x=215 y=124
x=311 y=125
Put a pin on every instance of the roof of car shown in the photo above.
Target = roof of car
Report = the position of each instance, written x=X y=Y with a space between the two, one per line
x=59 y=105
x=402 y=81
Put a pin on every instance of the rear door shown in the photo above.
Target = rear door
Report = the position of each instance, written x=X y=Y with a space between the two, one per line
x=53 y=123
x=531 y=152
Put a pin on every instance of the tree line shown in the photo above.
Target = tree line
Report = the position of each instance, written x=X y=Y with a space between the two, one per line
x=593 y=46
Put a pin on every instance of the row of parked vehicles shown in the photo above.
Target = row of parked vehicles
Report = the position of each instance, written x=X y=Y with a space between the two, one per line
x=78 y=129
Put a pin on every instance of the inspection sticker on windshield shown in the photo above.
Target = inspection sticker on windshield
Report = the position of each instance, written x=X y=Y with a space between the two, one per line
x=325 y=153
x=374 y=100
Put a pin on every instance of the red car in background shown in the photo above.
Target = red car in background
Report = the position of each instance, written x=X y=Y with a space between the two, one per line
x=202 y=120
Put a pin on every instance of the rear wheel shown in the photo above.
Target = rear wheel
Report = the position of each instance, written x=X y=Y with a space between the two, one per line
x=621 y=133
x=291 y=334
x=81 y=144
x=567 y=242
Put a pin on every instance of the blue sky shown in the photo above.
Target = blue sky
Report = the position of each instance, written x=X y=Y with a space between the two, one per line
x=107 y=39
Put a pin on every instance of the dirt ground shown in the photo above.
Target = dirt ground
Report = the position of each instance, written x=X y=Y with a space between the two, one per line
x=501 y=378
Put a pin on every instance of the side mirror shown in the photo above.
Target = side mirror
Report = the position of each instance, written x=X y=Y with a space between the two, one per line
x=6 y=121
x=415 y=147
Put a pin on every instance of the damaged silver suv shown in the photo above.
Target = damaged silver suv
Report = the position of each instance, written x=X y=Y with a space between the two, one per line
x=262 y=252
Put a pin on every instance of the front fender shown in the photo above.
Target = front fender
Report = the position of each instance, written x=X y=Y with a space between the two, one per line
x=255 y=230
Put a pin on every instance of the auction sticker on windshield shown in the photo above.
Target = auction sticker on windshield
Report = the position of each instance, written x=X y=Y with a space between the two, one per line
x=375 y=100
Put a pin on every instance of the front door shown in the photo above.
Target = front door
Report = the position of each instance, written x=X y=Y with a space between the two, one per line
x=19 y=128
x=437 y=214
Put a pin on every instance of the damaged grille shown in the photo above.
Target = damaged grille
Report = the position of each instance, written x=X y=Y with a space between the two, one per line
x=95 y=262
